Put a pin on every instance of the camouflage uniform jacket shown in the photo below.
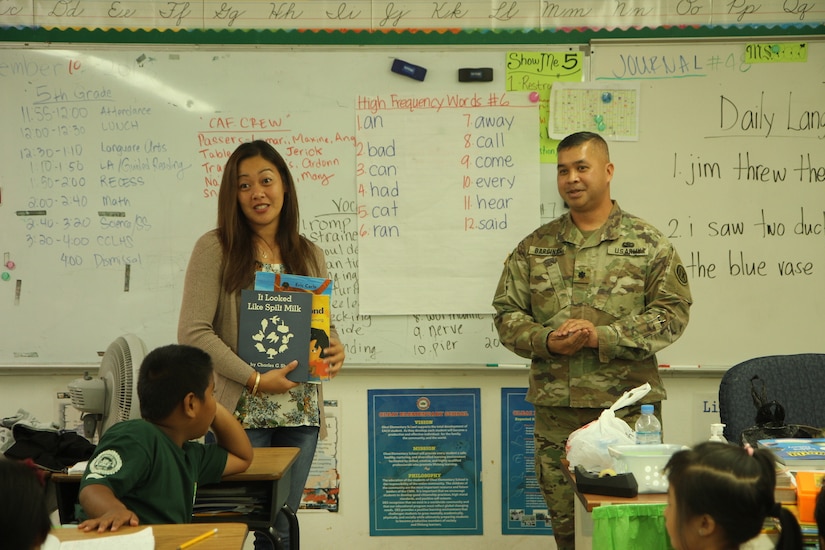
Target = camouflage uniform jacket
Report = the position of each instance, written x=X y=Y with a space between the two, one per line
x=626 y=278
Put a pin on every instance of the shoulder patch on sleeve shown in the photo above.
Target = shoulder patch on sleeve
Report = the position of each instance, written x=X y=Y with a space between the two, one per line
x=105 y=464
x=681 y=274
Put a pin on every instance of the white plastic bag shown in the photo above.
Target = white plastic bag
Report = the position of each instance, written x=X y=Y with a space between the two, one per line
x=587 y=446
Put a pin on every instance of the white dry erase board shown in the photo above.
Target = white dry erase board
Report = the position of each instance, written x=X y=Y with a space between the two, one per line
x=730 y=164
x=112 y=158
x=743 y=205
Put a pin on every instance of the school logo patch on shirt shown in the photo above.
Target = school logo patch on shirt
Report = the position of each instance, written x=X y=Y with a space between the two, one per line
x=105 y=464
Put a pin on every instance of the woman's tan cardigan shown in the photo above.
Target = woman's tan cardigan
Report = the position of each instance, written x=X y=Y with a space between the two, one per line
x=209 y=319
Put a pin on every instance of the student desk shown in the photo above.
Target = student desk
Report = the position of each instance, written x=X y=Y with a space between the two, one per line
x=230 y=536
x=269 y=473
x=585 y=502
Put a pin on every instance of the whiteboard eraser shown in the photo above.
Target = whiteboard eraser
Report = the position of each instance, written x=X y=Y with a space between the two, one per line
x=484 y=74
x=408 y=69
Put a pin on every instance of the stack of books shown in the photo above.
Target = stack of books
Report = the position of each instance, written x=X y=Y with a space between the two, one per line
x=798 y=453
x=785 y=492
x=286 y=318
x=229 y=501
x=803 y=459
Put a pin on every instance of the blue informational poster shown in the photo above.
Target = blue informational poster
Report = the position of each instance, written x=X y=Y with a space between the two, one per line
x=523 y=510
x=425 y=462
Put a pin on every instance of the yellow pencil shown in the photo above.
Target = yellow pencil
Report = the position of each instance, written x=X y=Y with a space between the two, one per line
x=197 y=539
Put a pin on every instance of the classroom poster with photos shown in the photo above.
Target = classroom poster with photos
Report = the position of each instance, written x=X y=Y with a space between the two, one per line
x=523 y=510
x=322 y=485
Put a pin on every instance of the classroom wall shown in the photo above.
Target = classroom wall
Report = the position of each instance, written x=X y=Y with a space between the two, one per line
x=683 y=419
x=691 y=406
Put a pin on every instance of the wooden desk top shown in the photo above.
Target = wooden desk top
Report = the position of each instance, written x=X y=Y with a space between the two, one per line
x=268 y=463
x=590 y=501
x=230 y=536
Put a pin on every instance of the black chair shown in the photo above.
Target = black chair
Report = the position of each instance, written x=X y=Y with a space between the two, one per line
x=797 y=382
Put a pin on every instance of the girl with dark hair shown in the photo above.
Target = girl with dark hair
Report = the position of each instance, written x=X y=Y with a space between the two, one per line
x=24 y=515
x=719 y=496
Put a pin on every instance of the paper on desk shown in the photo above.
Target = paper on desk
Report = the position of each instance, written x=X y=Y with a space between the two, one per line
x=79 y=468
x=142 y=540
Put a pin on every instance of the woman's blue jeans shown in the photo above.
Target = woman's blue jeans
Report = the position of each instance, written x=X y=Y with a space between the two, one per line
x=304 y=437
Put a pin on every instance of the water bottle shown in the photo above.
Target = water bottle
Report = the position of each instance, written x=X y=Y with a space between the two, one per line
x=716 y=433
x=648 y=428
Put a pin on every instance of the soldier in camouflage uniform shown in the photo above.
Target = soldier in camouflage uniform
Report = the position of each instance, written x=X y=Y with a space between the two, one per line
x=590 y=298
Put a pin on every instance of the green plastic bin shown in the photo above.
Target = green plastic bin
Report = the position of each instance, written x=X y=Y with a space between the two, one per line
x=630 y=527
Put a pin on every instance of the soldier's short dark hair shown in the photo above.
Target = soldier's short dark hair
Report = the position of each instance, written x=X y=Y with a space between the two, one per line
x=580 y=138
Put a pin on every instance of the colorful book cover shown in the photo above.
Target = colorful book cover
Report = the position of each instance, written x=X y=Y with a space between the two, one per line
x=274 y=330
x=806 y=452
x=321 y=290
x=319 y=339
x=316 y=285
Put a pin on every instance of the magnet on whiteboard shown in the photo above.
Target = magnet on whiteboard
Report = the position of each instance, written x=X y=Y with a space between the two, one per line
x=534 y=96
x=408 y=69
x=483 y=74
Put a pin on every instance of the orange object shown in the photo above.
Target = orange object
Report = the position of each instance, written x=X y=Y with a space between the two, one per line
x=808 y=485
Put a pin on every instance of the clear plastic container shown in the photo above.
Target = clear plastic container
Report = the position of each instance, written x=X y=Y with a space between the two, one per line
x=648 y=428
x=717 y=433
x=645 y=462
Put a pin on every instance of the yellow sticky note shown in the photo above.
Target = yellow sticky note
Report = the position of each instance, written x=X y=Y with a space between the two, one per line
x=766 y=52
x=536 y=72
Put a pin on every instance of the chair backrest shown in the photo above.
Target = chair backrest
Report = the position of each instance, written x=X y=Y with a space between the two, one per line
x=797 y=382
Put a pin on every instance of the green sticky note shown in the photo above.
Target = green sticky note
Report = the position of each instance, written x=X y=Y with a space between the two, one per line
x=783 y=52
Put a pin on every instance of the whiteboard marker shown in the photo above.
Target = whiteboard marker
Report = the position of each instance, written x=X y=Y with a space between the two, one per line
x=507 y=365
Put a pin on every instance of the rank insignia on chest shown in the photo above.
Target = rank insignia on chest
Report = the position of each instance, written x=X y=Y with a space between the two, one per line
x=544 y=251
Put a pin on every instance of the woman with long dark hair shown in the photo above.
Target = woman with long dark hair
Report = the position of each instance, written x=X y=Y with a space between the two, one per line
x=257 y=230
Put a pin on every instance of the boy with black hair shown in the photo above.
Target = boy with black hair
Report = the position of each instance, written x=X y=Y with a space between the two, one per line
x=147 y=470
